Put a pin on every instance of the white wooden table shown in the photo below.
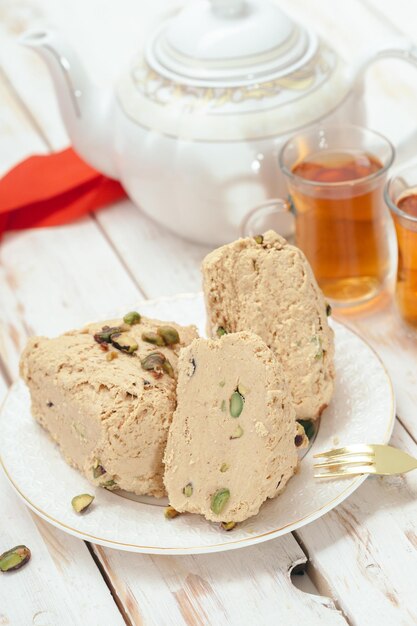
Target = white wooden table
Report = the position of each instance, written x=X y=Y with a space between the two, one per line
x=361 y=558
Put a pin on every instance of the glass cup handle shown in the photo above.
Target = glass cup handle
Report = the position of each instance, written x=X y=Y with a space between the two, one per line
x=264 y=216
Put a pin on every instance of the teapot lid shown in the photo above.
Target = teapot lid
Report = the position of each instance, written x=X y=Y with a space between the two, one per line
x=228 y=43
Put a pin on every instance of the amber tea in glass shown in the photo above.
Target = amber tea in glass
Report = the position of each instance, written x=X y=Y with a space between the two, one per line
x=335 y=179
x=401 y=197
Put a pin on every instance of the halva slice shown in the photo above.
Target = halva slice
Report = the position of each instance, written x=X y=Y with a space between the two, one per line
x=231 y=442
x=265 y=285
x=106 y=395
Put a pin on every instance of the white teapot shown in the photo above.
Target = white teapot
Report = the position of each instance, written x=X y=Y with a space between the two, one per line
x=194 y=127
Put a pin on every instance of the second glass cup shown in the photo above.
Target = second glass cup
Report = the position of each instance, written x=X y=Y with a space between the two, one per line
x=335 y=179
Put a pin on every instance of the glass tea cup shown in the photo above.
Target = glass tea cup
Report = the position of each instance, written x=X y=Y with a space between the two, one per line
x=335 y=178
x=401 y=198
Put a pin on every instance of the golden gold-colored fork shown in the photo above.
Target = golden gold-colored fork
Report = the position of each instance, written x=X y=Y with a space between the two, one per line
x=363 y=459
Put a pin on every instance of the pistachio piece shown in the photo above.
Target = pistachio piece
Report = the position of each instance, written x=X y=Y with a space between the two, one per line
x=309 y=427
x=328 y=309
x=169 y=335
x=219 y=499
x=170 y=512
x=228 y=525
x=221 y=331
x=242 y=390
x=236 y=403
x=98 y=470
x=224 y=467
x=223 y=406
x=259 y=238
x=132 y=318
x=319 y=351
x=168 y=369
x=153 y=361
x=109 y=484
x=111 y=355
x=124 y=342
x=82 y=502
x=104 y=335
x=238 y=433
x=14 y=558
x=151 y=337
x=188 y=490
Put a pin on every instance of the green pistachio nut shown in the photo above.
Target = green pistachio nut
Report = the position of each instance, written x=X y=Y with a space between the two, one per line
x=82 y=502
x=154 y=338
x=153 y=361
x=132 y=318
x=169 y=335
x=224 y=467
x=236 y=404
x=219 y=500
x=259 y=239
x=104 y=335
x=124 y=342
x=14 y=559
x=98 y=470
x=309 y=427
x=168 y=369
x=188 y=490
x=221 y=331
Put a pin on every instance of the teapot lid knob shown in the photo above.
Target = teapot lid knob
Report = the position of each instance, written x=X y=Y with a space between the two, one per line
x=228 y=8
x=229 y=42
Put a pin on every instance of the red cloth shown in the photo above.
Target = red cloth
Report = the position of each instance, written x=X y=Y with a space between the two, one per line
x=53 y=189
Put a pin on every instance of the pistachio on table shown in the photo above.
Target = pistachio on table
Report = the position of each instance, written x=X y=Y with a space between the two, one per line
x=124 y=342
x=219 y=499
x=133 y=317
x=169 y=335
x=228 y=525
x=154 y=338
x=188 y=490
x=236 y=404
x=82 y=502
x=14 y=558
x=170 y=512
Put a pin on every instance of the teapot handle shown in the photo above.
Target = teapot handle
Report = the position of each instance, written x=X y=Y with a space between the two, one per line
x=399 y=48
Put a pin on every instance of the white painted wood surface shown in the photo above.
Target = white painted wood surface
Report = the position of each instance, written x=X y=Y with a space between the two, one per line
x=362 y=555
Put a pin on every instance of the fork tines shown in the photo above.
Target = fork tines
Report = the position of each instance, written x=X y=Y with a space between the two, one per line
x=355 y=459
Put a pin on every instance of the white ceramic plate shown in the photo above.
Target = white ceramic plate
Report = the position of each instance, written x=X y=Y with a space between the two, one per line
x=362 y=411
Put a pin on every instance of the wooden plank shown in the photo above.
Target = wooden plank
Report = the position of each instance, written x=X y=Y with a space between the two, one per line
x=239 y=587
x=363 y=552
x=52 y=588
x=396 y=343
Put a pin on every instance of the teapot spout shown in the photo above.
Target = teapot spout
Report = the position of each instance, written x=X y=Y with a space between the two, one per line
x=87 y=111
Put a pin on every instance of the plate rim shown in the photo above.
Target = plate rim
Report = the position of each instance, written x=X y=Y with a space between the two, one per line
x=225 y=546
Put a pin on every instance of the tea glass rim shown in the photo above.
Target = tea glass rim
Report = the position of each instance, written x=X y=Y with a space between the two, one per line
x=391 y=205
x=337 y=127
